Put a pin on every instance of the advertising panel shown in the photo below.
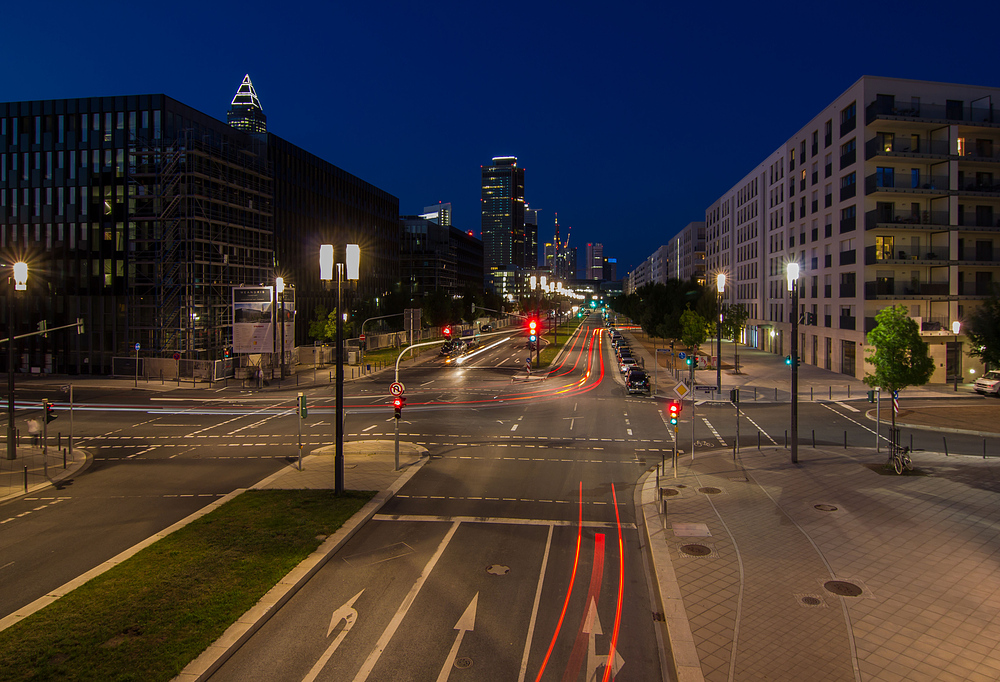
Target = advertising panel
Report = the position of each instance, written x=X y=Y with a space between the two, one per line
x=252 y=320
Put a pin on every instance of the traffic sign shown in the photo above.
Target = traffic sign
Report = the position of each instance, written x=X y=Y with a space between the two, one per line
x=362 y=337
x=706 y=387
x=396 y=388
x=681 y=390
x=177 y=356
x=137 y=346
x=682 y=355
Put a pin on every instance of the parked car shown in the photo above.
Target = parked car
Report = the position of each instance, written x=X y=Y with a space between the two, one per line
x=626 y=363
x=989 y=383
x=486 y=328
x=637 y=381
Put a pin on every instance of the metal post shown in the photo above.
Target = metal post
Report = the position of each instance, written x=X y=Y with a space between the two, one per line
x=282 y=295
x=11 y=446
x=298 y=410
x=136 y=384
x=396 y=422
x=45 y=437
x=71 y=419
x=795 y=370
x=878 y=423
x=339 y=456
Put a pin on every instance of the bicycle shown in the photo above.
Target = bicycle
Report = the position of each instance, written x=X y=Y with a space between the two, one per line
x=899 y=458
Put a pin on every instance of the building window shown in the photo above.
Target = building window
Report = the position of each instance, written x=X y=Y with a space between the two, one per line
x=848 y=153
x=848 y=118
x=848 y=186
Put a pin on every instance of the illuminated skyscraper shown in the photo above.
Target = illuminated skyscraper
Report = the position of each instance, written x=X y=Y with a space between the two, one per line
x=245 y=112
x=503 y=215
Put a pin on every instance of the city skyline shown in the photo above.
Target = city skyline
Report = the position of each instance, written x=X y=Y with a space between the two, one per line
x=628 y=123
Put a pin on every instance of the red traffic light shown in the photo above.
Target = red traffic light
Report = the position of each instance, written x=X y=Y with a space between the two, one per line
x=397 y=402
x=675 y=410
x=532 y=326
x=446 y=331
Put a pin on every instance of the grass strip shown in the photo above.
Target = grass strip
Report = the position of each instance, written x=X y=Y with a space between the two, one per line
x=151 y=615
x=550 y=350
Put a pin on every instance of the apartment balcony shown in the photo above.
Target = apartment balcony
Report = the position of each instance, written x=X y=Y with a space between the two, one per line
x=902 y=111
x=904 y=146
x=979 y=186
x=935 y=324
x=980 y=150
x=980 y=289
x=890 y=288
x=906 y=183
x=980 y=219
x=906 y=255
x=881 y=219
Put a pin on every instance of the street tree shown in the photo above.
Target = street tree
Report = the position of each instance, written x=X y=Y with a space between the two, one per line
x=318 y=325
x=734 y=319
x=694 y=329
x=898 y=354
x=983 y=331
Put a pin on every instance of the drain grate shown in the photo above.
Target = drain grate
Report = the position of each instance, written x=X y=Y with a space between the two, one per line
x=669 y=492
x=811 y=601
x=696 y=550
x=825 y=507
x=463 y=662
x=710 y=491
x=842 y=588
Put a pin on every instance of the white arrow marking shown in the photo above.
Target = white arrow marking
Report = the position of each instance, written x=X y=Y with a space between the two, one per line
x=466 y=623
x=594 y=662
x=349 y=615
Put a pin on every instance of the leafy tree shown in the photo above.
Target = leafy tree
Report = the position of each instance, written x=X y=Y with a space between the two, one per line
x=694 y=329
x=734 y=319
x=318 y=325
x=983 y=332
x=437 y=308
x=898 y=354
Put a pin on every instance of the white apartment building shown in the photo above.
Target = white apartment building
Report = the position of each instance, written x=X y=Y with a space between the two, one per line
x=889 y=196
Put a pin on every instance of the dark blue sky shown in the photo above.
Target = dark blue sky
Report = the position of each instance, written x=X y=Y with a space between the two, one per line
x=630 y=118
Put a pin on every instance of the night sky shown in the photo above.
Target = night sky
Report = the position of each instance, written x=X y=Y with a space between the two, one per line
x=630 y=118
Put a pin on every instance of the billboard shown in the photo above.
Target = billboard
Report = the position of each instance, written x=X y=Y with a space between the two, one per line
x=253 y=330
x=287 y=302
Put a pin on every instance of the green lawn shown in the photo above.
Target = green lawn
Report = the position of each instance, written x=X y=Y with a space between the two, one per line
x=550 y=350
x=148 y=617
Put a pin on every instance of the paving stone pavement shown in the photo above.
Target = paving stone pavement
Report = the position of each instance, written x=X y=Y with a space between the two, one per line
x=922 y=551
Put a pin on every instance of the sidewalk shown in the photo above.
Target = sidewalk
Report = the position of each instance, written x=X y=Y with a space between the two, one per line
x=32 y=472
x=827 y=570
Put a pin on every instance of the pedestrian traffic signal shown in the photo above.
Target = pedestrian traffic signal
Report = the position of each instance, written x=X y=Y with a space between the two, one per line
x=303 y=410
x=675 y=410
x=398 y=402
x=788 y=360
x=49 y=412
x=871 y=396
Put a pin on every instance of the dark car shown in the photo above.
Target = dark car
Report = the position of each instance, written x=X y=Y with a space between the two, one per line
x=637 y=381
x=486 y=328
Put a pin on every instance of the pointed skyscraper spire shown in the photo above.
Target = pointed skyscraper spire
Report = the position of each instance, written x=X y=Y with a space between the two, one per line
x=245 y=111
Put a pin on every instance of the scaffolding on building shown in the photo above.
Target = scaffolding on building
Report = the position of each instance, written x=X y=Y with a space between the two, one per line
x=201 y=222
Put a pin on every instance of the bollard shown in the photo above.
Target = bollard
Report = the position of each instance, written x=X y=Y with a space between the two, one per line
x=945 y=439
x=59 y=440
x=786 y=438
x=755 y=394
x=911 y=442
x=775 y=394
x=984 y=448
x=25 y=478
x=814 y=439
x=296 y=379
x=811 y=397
x=831 y=392
x=64 y=458
x=845 y=439
x=848 y=391
x=758 y=439
x=161 y=377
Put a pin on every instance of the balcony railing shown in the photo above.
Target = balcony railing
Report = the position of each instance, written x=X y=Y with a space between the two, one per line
x=941 y=112
x=977 y=152
x=972 y=219
x=982 y=254
x=873 y=255
x=890 y=287
x=905 y=145
x=880 y=217
x=848 y=290
x=935 y=324
x=848 y=257
x=848 y=322
x=989 y=186
x=977 y=288
x=905 y=182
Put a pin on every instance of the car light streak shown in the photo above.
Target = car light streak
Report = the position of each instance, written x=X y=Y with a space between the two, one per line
x=459 y=360
x=609 y=666
x=569 y=590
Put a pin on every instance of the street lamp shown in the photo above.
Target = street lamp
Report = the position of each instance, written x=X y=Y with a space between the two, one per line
x=19 y=279
x=956 y=327
x=792 y=273
x=720 y=286
x=279 y=287
x=352 y=255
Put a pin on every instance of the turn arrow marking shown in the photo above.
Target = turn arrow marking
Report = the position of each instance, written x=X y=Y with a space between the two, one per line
x=466 y=623
x=349 y=615
x=595 y=661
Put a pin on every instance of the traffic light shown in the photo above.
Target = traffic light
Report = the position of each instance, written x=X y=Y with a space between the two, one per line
x=303 y=410
x=398 y=402
x=42 y=326
x=871 y=396
x=688 y=360
x=533 y=328
x=675 y=410
x=447 y=332
x=788 y=360
x=734 y=396
x=49 y=412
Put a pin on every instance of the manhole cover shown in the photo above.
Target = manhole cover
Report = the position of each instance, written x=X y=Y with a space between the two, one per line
x=497 y=569
x=696 y=550
x=709 y=491
x=825 y=507
x=463 y=662
x=669 y=492
x=842 y=588
x=811 y=601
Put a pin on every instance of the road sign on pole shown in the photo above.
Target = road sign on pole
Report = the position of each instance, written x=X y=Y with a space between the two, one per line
x=396 y=388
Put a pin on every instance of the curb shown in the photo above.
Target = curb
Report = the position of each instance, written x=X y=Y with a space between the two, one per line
x=78 y=466
x=237 y=634
x=936 y=429
x=683 y=651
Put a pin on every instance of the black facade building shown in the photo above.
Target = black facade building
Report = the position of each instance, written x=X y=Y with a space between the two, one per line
x=139 y=214
x=437 y=256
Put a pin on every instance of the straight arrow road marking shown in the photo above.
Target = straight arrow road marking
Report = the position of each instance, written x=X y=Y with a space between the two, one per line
x=465 y=624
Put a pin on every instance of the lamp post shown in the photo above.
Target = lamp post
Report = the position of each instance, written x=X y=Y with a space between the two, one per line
x=956 y=327
x=352 y=257
x=720 y=286
x=19 y=279
x=279 y=287
x=792 y=273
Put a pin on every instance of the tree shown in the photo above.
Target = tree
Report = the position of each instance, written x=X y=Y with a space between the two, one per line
x=983 y=332
x=733 y=321
x=318 y=325
x=694 y=329
x=898 y=354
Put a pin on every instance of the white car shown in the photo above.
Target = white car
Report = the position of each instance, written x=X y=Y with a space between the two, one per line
x=989 y=383
x=626 y=363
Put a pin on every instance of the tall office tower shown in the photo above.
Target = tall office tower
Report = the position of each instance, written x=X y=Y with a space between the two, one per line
x=530 y=237
x=594 y=269
x=503 y=215
x=439 y=213
x=610 y=268
x=245 y=112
